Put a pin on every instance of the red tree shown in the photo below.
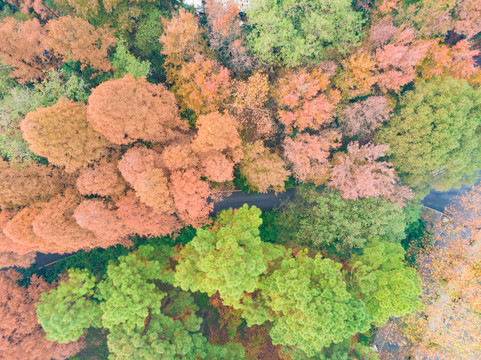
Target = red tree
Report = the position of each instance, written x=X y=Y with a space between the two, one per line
x=304 y=99
x=308 y=155
x=95 y=216
x=127 y=109
x=216 y=167
x=358 y=175
x=364 y=117
x=21 y=337
x=143 y=220
x=191 y=197
x=136 y=160
x=103 y=178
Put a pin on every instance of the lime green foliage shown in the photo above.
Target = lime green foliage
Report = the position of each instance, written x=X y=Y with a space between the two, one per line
x=325 y=220
x=312 y=305
x=129 y=292
x=167 y=339
x=341 y=351
x=434 y=136
x=299 y=32
x=65 y=312
x=19 y=100
x=126 y=63
x=228 y=258
x=388 y=286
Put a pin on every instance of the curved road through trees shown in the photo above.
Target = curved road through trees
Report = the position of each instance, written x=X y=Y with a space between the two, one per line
x=436 y=200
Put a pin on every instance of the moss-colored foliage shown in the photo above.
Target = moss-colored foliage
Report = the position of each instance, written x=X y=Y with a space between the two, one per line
x=434 y=136
x=325 y=220
x=386 y=284
x=228 y=258
x=297 y=32
x=312 y=305
x=65 y=312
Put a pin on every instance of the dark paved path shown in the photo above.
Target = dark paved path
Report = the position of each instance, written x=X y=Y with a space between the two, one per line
x=436 y=200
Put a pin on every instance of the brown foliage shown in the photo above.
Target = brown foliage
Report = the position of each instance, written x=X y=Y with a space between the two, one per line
x=358 y=175
x=95 y=216
x=305 y=100
x=202 y=84
x=136 y=160
x=468 y=17
x=358 y=75
x=263 y=169
x=75 y=39
x=308 y=155
x=20 y=187
x=20 y=231
x=191 y=196
x=127 y=109
x=62 y=134
x=179 y=157
x=56 y=224
x=218 y=132
x=181 y=38
x=21 y=337
x=10 y=258
x=22 y=46
x=6 y=244
x=152 y=189
x=250 y=108
x=143 y=220
x=103 y=178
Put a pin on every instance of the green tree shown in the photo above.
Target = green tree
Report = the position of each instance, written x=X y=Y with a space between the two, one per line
x=387 y=286
x=228 y=258
x=126 y=63
x=434 y=137
x=312 y=305
x=324 y=220
x=297 y=32
x=65 y=312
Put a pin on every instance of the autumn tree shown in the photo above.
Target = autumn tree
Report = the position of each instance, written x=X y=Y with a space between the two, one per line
x=62 y=134
x=180 y=156
x=191 y=197
x=11 y=258
x=308 y=155
x=66 y=311
x=218 y=132
x=357 y=174
x=142 y=219
x=128 y=109
x=263 y=169
x=57 y=226
x=23 y=47
x=75 y=39
x=101 y=178
x=229 y=258
x=216 y=167
x=225 y=34
x=202 y=85
x=37 y=6
x=284 y=33
x=250 y=108
x=357 y=75
x=95 y=216
x=181 y=39
x=20 y=187
x=468 y=17
x=387 y=286
x=324 y=220
x=21 y=335
x=434 y=137
x=305 y=100
x=152 y=188
x=363 y=118
x=11 y=250
x=136 y=160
